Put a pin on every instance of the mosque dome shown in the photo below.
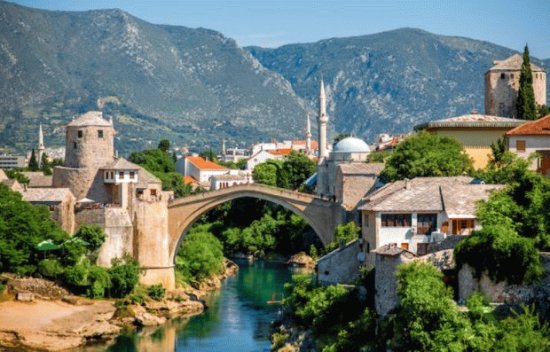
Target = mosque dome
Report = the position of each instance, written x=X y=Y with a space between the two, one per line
x=351 y=145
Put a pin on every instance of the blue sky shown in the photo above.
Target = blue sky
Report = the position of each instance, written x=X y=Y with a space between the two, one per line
x=510 y=23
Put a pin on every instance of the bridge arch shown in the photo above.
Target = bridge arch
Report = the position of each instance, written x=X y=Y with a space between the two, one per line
x=322 y=215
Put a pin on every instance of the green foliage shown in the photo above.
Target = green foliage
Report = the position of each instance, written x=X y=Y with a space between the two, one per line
x=153 y=160
x=173 y=181
x=22 y=227
x=93 y=234
x=543 y=110
x=378 y=156
x=340 y=136
x=99 y=281
x=124 y=276
x=33 y=163
x=164 y=145
x=345 y=233
x=426 y=154
x=209 y=154
x=502 y=253
x=156 y=292
x=266 y=173
x=16 y=175
x=50 y=268
x=290 y=173
x=45 y=165
x=523 y=332
x=200 y=255
x=77 y=275
x=525 y=103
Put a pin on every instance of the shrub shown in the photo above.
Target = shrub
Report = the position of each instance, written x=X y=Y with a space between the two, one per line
x=124 y=276
x=93 y=234
x=99 y=281
x=200 y=256
x=77 y=275
x=156 y=292
x=50 y=268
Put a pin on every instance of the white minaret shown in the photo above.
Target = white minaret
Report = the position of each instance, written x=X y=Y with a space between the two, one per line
x=41 y=146
x=323 y=119
x=308 y=136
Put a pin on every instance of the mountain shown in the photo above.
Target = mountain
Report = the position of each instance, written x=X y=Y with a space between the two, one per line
x=193 y=86
x=390 y=81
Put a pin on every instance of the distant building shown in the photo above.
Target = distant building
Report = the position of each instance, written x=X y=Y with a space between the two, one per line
x=532 y=137
x=414 y=213
x=388 y=142
x=12 y=161
x=475 y=132
x=502 y=85
x=230 y=179
x=200 y=169
x=264 y=155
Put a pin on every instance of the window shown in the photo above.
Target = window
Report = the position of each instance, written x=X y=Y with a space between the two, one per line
x=99 y=133
x=405 y=245
x=463 y=226
x=512 y=76
x=520 y=146
x=121 y=174
x=422 y=248
x=426 y=223
x=396 y=220
x=502 y=76
x=74 y=145
x=79 y=134
x=153 y=192
x=132 y=175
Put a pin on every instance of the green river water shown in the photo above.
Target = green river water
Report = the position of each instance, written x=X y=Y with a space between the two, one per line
x=238 y=317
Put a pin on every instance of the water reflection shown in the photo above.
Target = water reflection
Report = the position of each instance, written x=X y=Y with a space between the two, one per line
x=238 y=317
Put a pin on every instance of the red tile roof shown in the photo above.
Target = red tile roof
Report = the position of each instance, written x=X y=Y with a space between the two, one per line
x=203 y=164
x=284 y=151
x=537 y=127
x=188 y=180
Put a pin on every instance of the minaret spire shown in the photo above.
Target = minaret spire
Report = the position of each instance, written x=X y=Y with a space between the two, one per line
x=41 y=146
x=308 y=135
x=323 y=119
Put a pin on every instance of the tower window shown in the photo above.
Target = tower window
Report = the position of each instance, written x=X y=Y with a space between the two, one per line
x=502 y=76
x=99 y=133
x=512 y=76
x=74 y=145
x=79 y=133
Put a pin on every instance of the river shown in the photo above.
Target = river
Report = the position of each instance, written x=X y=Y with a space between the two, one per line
x=238 y=317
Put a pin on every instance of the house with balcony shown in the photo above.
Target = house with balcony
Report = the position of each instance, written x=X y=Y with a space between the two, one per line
x=416 y=213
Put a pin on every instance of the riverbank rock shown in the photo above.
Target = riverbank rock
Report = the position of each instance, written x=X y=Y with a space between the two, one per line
x=40 y=288
x=171 y=309
x=144 y=318
x=302 y=260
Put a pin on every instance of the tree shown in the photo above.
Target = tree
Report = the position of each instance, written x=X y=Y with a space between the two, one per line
x=33 y=163
x=200 y=256
x=164 y=145
x=426 y=154
x=543 y=110
x=296 y=169
x=93 y=235
x=525 y=103
x=266 y=173
x=124 y=275
x=22 y=227
x=45 y=165
x=340 y=136
x=209 y=154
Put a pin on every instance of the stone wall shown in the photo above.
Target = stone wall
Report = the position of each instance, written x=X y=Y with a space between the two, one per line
x=502 y=292
x=119 y=236
x=89 y=216
x=340 y=265
x=152 y=241
x=385 y=282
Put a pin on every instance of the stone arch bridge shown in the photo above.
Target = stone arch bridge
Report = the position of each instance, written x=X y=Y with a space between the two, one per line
x=322 y=215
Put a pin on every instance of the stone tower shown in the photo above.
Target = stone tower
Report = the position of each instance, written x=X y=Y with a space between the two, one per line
x=502 y=84
x=89 y=141
x=41 y=146
x=308 y=135
x=323 y=120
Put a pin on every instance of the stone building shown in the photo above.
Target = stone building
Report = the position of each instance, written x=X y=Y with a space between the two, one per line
x=474 y=131
x=60 y=202
x=502 y=85
x=122 y=197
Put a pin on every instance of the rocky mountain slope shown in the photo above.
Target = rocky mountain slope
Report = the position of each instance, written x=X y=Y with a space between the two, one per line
x=390 y=81
x=194 y=86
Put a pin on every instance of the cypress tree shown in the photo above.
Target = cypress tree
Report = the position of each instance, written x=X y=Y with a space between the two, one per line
x=33 y=163
x=525 y=103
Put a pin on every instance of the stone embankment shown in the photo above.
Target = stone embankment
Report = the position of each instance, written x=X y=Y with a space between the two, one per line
x=37 y=314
